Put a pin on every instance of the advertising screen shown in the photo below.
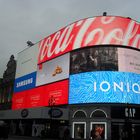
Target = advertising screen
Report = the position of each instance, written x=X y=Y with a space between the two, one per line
x=104 y=87
x=129 y=60
x=27 y=61
x=48 y=95
x=57 y=93
x=94 y=59
x=19 y=101
x=25 y=82
x=105 y=58
x=53 y=70
x=89 y=32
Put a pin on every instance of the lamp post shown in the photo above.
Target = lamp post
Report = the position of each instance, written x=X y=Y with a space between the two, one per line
x=30 y=43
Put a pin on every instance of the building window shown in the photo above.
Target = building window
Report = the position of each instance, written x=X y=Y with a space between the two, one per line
x=79 y=114
x=98 y=113
x=79 y=130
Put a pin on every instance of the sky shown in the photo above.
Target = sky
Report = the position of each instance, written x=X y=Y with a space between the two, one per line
x=23 y=20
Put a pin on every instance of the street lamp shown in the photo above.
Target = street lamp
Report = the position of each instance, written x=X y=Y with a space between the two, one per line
x=29 y=43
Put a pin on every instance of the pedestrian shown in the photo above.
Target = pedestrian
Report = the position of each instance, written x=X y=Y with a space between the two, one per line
x=66 y=134
x=35 y=131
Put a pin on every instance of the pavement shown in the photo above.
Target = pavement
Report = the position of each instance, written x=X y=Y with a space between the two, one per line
x=26 y=138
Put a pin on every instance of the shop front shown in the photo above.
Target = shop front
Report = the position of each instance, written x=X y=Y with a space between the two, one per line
x=90 y=120
x=125 y=122
x=36 y=122
x=110 y=121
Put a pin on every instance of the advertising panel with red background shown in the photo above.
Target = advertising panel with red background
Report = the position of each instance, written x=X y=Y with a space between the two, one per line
x=88 y=32
x=52 y=94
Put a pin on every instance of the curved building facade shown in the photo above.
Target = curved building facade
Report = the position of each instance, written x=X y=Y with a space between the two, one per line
x=91 y=68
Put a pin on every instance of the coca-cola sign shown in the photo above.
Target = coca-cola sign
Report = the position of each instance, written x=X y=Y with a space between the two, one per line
x=88 y=32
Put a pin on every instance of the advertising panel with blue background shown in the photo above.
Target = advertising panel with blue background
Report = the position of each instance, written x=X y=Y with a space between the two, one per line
x=25 y=82
x=104 y=87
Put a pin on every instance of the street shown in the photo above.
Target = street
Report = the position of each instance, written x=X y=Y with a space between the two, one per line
x=25 y=138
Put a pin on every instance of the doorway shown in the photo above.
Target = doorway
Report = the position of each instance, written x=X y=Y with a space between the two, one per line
x=79 y=130
x=98 y=130
x=122 y=131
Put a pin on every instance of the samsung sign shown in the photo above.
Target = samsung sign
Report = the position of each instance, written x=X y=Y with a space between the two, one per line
x=25 y=82
x=104 y=87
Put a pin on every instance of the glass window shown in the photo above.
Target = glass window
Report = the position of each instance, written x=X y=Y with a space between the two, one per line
x=79 y=130
x=98 y=130
x=80 y=114
x=98 y=114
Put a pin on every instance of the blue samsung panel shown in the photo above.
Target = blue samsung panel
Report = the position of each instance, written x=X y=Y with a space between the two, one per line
x=25 y=82
x=104 y=87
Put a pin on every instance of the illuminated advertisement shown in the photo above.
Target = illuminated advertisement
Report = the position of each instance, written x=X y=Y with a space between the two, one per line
x=48 y=95
x=94 y=59
x=105 y=58
x=53 y=70
x=19 y=101
x=104 y=87
x=129 y=60
x=27 y=61
x=57 y=93
x=25 y=82
x=89 y=32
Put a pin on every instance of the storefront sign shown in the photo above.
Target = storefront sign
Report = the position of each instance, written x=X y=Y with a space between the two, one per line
x=24 y=113
x=130 y=112
x=55 y=113
x=123 y=112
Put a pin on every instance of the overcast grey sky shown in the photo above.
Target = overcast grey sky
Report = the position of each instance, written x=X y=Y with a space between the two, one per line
x=22 y=20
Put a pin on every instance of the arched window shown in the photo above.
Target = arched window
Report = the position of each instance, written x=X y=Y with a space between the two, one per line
x=79 y=114
x=98 y=113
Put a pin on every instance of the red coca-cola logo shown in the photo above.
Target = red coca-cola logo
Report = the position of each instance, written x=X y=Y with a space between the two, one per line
x=88 y=32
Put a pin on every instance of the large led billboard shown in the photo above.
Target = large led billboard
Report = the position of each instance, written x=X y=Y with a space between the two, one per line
x=99 y=58
x=105 y=58
x=53 y=70
x=87 y=48
x=26 y=69
x=104 y=87
x=129 y=60
x=47 y=95
x=89 y=32
x=27 y=61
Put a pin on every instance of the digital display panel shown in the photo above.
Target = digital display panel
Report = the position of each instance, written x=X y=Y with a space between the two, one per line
x=105 y=58
x=57 y=93
x=19 y=101
x=94 y=59
x=90 y=32
x=25 y=82
x=48 y=95
x=27 y=61
x=104 y=87
x=53 y=70
x=129 y=60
